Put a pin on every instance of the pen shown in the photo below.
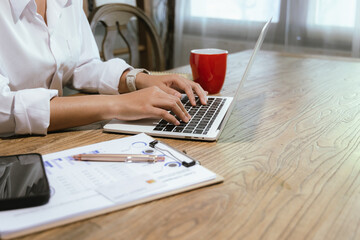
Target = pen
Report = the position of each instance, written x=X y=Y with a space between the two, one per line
x=119 y=157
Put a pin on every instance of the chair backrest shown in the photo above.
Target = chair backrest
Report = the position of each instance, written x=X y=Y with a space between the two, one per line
x=142 y=42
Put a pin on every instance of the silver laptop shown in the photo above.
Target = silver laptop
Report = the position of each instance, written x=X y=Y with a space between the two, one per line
x=207 y=121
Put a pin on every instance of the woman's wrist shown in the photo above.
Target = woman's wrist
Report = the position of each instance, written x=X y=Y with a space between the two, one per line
x=142 y=80
x=122 y=82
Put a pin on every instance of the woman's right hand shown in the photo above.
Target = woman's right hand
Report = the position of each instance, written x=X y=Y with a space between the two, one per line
x=151 y=102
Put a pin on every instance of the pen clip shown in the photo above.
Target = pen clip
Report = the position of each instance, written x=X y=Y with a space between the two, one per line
x=153 y=159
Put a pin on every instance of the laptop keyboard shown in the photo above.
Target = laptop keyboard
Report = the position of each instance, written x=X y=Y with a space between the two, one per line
x=202 y=117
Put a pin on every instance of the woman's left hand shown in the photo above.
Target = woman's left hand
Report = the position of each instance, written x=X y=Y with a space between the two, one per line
x=173 y=84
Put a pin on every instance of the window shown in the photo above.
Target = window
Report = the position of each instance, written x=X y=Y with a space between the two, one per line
x=246 y=10
x=228 y=19
x=336 y=13
x=315 y=26
x=332 y=24
x=313 y=23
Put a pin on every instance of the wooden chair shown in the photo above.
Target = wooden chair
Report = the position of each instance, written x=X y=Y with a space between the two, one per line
x=136 y=32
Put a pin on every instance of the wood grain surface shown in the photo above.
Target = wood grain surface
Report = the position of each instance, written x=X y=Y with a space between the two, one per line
x=289 y=154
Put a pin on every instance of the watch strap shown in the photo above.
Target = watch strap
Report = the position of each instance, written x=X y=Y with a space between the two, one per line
x=131 y=77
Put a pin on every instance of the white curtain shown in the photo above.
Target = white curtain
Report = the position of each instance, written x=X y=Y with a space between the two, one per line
x=328 y=27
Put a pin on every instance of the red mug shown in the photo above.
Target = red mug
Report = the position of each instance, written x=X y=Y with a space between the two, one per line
x=209 y=68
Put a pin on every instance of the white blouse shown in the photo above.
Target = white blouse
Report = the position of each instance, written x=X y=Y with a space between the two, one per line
x=37 y=60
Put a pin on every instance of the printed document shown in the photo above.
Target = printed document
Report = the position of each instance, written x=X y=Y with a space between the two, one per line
x=79 y=188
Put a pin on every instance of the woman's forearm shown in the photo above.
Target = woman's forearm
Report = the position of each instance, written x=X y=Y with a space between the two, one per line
x=73 y=111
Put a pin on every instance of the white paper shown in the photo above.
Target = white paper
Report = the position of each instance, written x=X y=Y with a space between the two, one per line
x=79 y=187
x=131 y=189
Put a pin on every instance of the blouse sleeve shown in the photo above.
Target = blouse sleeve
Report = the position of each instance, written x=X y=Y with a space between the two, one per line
x=91 y=73
x=25 y=111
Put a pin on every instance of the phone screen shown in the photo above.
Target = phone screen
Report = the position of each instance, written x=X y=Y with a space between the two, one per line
x=23 y=182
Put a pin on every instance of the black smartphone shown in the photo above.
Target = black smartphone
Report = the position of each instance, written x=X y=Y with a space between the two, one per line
x=23 y=181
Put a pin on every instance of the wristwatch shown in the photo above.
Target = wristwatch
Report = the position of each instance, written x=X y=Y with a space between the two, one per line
x=131 y=77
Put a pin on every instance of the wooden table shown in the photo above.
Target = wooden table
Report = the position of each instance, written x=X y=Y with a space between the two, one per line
x=290 y=156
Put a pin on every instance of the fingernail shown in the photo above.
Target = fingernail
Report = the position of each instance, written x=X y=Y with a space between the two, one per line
x=177 y=123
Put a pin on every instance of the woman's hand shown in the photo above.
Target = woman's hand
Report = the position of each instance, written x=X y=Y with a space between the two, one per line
x=157 y=95
x=150 y=102
x=172 y=84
